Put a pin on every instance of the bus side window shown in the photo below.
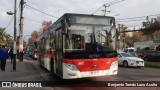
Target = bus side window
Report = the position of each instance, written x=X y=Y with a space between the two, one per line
x=52 y=43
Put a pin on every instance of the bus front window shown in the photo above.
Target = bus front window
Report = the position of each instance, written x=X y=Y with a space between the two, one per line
x=75 y=40
x=89 y=38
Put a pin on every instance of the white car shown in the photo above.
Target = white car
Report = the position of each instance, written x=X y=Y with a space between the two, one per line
x=126 y=60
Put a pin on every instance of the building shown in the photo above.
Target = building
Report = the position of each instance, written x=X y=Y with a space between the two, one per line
x=151 y=44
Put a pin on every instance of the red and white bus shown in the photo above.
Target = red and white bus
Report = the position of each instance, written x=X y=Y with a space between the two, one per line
x=79 y=46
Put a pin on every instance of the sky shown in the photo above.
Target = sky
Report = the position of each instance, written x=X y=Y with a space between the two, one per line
x=56 y=8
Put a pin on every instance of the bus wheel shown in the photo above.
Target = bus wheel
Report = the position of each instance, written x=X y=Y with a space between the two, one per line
x=39 y=59
x=52 y=65
x=125 y=64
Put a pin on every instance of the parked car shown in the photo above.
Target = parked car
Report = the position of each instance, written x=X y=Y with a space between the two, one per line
x=153 y=57
x=143 y=55
x=130 y=49
x=127 y=59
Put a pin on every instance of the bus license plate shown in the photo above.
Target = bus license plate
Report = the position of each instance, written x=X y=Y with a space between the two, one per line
x=94 y=72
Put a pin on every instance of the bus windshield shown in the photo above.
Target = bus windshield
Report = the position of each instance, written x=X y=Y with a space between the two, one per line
x=82 y=37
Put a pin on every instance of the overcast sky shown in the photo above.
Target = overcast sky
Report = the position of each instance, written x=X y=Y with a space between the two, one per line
x=33 y=18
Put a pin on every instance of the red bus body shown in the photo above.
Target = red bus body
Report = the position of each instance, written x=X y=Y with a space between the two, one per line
x=79 y=46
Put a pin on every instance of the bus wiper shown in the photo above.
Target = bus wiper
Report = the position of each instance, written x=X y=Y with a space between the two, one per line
x=94 y=39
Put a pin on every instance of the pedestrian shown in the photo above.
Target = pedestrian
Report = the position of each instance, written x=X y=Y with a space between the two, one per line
x=3 y=57
x=11 y=54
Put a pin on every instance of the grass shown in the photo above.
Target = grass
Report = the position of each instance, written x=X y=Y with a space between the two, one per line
x=152 y=64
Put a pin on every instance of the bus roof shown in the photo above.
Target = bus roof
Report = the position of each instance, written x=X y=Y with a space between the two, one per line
x=76 y=14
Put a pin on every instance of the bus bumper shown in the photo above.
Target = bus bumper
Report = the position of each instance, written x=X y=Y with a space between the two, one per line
x=70 y=74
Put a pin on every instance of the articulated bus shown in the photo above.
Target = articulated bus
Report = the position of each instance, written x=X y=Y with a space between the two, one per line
x=80 y=46
x=30 y=49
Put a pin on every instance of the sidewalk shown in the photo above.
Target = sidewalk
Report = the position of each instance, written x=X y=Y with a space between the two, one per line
x=25 y=71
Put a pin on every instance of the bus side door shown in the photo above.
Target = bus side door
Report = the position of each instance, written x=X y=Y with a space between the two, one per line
x=58 y=52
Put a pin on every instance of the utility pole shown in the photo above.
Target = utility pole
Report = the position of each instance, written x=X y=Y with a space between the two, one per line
x=21 y=32
x=119 y=29
x=123 y=29
x=15 y=36
x=105 y=9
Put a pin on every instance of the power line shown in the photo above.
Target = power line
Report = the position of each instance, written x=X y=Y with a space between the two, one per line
x=108 y=4
x=9 y=23
x=129 y=20
x=13 y=26
x=115 y=2
x=41 y=11
x=32 y=20
x=139 y=17
x=134 y=25
x=11 y=20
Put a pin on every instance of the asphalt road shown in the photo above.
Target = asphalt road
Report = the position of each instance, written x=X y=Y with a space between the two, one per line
x=130 y=73
x=124 y=74
x=138 y=74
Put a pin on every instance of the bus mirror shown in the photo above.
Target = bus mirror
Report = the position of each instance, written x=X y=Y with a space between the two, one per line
x=63 y=25
x=112 y=22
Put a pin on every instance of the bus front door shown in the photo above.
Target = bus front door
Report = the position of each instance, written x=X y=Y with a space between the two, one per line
x=58 y=53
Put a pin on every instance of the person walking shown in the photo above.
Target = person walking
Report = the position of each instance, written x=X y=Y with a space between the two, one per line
x=11 y=54
x=3 y=57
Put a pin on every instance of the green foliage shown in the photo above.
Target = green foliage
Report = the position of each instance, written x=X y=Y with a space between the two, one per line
x=4 y=37
x=129 y=41
x=151 y=28
x=139 y=37
x=153 y=64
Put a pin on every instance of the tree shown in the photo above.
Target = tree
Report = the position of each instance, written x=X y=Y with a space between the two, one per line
x=30 y=40
x=33 y=38
x=46 y=25
x=129 y=40
x=150 y=28
x=1 y=35
x=139 y=37
x=156 y=35
x=34 y=34
x=4 y=37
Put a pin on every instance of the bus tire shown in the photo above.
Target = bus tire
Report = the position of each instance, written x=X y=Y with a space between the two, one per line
x=52 y=65
x=39 y=59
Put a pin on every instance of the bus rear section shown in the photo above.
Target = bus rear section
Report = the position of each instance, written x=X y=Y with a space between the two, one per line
x=81 y=46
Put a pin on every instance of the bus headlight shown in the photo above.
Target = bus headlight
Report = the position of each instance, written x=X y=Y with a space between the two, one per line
x=71 y=66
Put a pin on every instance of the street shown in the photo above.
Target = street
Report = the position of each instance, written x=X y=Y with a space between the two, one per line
x=141 y=74
x=130 y=73
x=34 y=72
x=80 y=45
